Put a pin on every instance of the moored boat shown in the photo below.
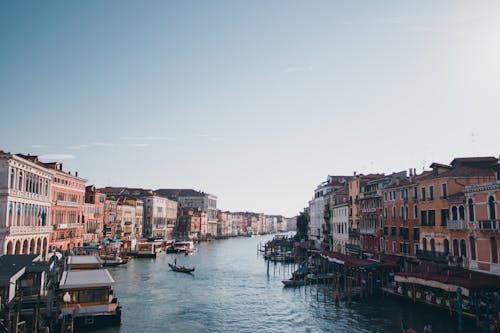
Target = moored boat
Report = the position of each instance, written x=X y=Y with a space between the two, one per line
x=184 y=246
x=293 y=282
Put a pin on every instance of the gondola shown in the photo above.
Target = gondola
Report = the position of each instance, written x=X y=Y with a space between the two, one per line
x=181 y=269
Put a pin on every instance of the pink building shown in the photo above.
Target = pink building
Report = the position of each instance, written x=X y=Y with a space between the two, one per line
x=68 y=196
x=483 y=223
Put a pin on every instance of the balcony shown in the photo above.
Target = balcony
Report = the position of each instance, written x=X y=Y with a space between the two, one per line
x=454 y=261
x=368 y=210
x=456 y=225
x=68 y=226
x=369 y=194
x=66 y=203
x=368 y=231
x=432 y=255
x=27 y=230
x=489 y=225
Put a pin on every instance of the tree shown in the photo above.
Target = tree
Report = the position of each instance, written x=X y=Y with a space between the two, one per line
x=302 y=225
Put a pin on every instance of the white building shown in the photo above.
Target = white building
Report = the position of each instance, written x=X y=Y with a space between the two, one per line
x=25 y=198
x=340 y=221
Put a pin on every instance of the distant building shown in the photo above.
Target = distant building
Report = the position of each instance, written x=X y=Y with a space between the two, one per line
x=188 y=198
x=25 y=208
x=93 y=214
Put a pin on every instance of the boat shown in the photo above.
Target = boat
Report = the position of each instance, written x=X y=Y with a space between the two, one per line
x=146 y=250
x=88 y=299
x=293 y=282
x=184 y=246
x=180 y=269
x=112 y=260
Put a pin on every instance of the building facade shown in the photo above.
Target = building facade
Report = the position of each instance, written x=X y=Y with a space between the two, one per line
x=25 y=205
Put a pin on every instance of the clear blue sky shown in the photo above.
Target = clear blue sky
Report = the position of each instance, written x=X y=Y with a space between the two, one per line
x=253 y=101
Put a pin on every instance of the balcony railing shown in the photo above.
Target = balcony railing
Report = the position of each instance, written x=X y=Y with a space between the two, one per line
x=68 y=226
x=432 y=255
x=368 y=210
x=67 y=203
x=27 y=230
x=486 y=225
x=455 y=261
x=368 y=231
x=456 y=224
x=371 y=193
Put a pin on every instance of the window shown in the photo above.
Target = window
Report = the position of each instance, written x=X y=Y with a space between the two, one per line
x=432 y=217
x=445 y=215
x=433 y=245
x=444 y=191
x=463 y=248
x=415 y=212
x=12 y=179
x=494 y=250
x=416 y=234
x=431 y=192
x=393 y=231
x=423 y=217
x=461 y=212
x=492 y=208
x=415 y=193
x=446 y=245
x=424 y=244
x=471 y=210
x=472 y=242
x=423 y=194
x=454 y=213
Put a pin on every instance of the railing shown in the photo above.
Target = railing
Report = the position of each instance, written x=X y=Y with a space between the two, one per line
x=455 y=261
x=368 y=231
x=67 y=203
x=485 y=225
x=433 y=255
x=456 y=224
x=370 y=194
x=26 y=230
x=368 y=210
x=68 y=226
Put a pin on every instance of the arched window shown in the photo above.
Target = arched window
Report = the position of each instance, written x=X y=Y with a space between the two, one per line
x=433 y=245
x=446 y=245
x=455 y=248
x=454 y=213
x=472 y=242
x=424 y=244
x=461 y=212
x=471 y=210
x=46 y=188
x=463 y=248
x=492 y=208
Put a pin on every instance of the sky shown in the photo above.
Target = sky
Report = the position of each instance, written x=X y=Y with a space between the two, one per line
x=256 y=102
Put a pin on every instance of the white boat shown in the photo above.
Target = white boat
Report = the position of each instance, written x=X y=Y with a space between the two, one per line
x=184 y=246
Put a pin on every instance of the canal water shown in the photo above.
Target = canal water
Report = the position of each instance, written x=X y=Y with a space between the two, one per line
x=231 y=291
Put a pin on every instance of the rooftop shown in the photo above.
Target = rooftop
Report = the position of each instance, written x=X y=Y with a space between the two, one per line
x=86 y=279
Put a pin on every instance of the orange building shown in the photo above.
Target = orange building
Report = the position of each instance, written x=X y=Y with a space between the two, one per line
x=442 y=209
x=93 y=214
x=401 y=223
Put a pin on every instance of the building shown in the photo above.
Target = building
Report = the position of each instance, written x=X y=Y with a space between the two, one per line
x=93 y=214
x=401 y=228
x=25 y=205
x=188 y=198
x=67 y=203
x=159 y=212
x=339 y=220
x=442 y=208
x=317 y=222
x=483 y=225
x=370 y=211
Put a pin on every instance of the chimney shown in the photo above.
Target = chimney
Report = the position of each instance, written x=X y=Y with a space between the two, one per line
x=76 y=173
x=60 y=166
x=354 y=173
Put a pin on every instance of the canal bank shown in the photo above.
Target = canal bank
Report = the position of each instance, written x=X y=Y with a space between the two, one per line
x=230 y=291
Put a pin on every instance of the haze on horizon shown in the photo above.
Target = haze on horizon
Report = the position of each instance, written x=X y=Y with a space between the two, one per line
x=255 y=102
